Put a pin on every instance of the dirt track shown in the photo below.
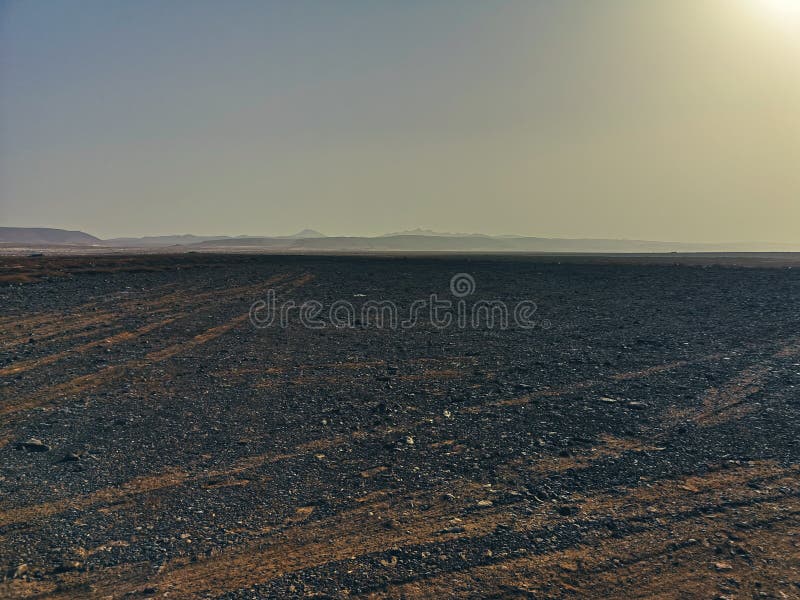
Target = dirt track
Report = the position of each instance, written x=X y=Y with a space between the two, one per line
x=644 y=445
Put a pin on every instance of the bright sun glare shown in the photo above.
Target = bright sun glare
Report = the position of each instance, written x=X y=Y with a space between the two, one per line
x=783 y=14
x=781 y=8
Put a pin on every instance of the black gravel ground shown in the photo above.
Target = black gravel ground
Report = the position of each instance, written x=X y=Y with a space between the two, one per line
x=640 y=440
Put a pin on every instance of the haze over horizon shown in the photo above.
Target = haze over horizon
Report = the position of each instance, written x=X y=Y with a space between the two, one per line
x=674 y=121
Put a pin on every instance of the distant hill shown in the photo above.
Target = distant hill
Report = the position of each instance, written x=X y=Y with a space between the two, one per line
x=155 y=241
x=405 y=242
x=417 y=240
x=44 y=236
x=430 y=233
x=478 y=243
x=307 y=234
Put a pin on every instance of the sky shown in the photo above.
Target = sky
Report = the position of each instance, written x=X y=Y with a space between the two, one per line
x=665 y=120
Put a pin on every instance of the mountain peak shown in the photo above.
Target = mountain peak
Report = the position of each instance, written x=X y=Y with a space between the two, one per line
x=308 y=233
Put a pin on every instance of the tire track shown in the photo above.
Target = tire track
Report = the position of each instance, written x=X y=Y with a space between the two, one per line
x=97 y=379
x=125 y=336
x=58 y=324
x=608 y=446
x=593 y=383
x=52 y=326
x=361 y=531
x=663 y=566
x=728 y=401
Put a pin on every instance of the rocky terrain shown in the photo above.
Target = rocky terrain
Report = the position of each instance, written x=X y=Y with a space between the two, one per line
x=642 y=441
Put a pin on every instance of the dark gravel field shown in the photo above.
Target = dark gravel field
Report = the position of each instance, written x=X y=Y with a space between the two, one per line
x=640 y=439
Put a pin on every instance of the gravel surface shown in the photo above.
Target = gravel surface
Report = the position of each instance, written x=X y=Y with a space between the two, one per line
x=641 y=440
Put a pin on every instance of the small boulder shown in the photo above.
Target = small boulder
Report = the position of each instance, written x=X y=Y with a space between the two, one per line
x=34 y=445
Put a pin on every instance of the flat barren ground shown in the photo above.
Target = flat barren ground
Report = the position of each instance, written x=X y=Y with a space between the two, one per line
x=642 y=441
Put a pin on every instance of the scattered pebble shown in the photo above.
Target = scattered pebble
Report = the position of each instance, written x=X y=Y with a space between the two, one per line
x=20 y=571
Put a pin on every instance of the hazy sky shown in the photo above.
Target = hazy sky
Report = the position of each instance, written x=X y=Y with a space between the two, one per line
x=655 y=119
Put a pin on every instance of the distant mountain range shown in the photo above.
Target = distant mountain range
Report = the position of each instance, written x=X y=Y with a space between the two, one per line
x=430 y=233
x=188 y=239
x=155 y=241
x=46 y=236
x=418 y=240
